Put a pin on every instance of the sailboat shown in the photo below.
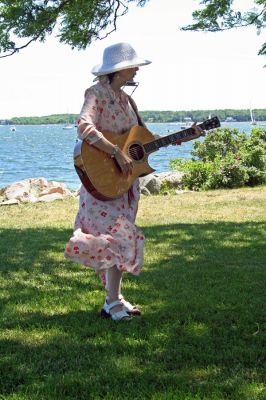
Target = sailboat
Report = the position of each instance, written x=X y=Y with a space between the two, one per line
x=68 y=126
x=187 y=123
x=252 y=119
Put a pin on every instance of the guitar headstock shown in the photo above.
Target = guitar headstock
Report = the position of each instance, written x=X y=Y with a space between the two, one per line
x=210 y=124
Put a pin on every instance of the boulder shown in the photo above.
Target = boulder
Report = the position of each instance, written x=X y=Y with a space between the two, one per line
x=18 y=190
x=172 y=179
x=51 y=197
x=32 y=191
x=152 y=183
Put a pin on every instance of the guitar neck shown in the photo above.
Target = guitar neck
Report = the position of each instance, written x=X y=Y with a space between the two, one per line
x=170 y=139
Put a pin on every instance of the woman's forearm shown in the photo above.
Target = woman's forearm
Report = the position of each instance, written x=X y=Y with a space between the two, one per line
x=104 y=145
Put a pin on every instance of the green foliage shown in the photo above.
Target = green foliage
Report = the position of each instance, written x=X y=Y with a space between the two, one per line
x=227 y=158
x=219 y=15
x=77 y=22
x=195 y=174
x=218 y=143
x=228 y=172
x=47 y=119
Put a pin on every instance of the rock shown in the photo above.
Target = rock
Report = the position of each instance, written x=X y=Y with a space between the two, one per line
x=145 y=191
x=182 y=191
x=150 y=183
x=51 y=197
x=56 y=189
x=40 y=190
x=28 y=198
x=9 y=202
x=17 y=190
x=33 y=190
x=172 y=179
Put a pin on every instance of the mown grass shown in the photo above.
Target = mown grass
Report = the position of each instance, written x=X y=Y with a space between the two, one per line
x=202 y=294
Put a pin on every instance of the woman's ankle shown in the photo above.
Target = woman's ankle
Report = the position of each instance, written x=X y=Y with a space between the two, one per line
x=111 y=298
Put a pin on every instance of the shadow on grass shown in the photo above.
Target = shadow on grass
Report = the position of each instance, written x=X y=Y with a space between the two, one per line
x=200 y=336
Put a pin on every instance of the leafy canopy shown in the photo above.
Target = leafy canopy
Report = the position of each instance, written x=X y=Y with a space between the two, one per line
x=77 y=22
x=219 y=15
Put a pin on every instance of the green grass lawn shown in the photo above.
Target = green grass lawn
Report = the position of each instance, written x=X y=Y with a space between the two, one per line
x=201 y=335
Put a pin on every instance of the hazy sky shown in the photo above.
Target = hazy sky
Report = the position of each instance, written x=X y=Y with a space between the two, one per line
x=189 y=70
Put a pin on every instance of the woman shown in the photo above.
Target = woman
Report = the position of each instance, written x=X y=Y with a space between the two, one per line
x=105 y=235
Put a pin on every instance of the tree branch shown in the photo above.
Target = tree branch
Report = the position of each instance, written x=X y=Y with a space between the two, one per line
x=36 y=37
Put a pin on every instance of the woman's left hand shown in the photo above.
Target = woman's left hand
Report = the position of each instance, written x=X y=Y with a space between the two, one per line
x=198 y=131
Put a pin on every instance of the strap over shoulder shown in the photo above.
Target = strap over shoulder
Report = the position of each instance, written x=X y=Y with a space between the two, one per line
x=134 y=106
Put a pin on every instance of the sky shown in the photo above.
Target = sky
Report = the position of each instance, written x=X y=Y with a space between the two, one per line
x=189 y=70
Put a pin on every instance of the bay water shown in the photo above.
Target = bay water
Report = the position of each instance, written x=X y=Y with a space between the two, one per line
x=33 y=151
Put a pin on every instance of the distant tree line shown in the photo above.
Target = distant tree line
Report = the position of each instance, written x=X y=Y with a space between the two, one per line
x=201 y=115
x=45 y=120
x=150 y=116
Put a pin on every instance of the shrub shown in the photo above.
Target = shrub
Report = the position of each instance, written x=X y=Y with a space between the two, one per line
x=195 y=173
x=219 y=143
x=227 y=158
x=228 y=172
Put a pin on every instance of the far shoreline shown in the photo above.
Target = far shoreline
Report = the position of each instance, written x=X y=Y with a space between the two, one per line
x=149 y=116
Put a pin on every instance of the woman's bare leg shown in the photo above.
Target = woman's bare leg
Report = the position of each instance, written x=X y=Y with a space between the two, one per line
x=113 y=286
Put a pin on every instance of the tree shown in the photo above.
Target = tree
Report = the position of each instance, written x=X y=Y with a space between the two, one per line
x=218 y=15
x=77 y=22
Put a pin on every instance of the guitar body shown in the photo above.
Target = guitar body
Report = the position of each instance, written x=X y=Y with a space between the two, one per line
x=101 y=175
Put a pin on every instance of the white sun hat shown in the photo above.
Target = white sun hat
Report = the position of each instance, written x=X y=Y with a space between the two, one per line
x=117 y=57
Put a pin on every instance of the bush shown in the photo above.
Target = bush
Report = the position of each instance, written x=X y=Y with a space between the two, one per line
x=227 y=158
x=228 y=172
x=195 y=173
x=219 y=143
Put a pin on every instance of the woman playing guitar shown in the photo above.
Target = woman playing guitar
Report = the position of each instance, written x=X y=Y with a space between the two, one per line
x=105 y=237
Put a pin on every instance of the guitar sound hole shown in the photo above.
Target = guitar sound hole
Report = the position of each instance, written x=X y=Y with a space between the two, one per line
x=136 y=152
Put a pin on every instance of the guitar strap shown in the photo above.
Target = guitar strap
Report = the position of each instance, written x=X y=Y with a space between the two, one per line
x=130 y=194
x=133 y=105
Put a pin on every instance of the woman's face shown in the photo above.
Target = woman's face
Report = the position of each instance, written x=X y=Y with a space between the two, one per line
x=128 y=74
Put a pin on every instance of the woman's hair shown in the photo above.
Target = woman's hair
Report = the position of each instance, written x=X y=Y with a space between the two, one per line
x=111 y=76
x=106 y=78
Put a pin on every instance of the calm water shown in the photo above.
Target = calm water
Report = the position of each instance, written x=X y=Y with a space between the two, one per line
x=46 y=151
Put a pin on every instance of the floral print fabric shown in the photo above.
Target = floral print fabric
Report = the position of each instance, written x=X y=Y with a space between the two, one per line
x=104 y=110
x=105 y=233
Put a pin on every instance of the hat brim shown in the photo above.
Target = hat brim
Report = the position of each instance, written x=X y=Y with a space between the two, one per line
x=99 y=69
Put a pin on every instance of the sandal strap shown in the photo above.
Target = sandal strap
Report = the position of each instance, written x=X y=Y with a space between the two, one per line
x=107 y=307
x=127 y=304
x=117 y=316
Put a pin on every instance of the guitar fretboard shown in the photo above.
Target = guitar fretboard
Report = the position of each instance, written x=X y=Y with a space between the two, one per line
x=170 y=139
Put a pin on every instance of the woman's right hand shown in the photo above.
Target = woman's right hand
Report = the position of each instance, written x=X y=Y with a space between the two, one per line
x=125 y=163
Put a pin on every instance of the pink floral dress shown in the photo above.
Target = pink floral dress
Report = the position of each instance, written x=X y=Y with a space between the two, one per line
x=105 y=233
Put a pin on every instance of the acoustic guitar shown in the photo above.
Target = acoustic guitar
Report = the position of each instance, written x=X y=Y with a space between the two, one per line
x=101 y=175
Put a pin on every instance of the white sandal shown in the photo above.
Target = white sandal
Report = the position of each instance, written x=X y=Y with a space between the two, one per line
x=133 y=310
x=116 y=316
